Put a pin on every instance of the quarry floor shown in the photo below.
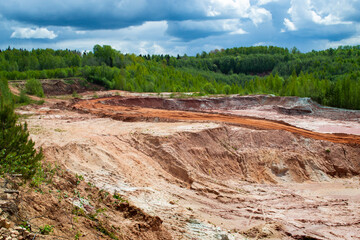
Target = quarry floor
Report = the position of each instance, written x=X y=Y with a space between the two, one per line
x=213 y=172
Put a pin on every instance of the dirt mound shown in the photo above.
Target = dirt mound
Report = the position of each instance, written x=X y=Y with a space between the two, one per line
x=114 y=107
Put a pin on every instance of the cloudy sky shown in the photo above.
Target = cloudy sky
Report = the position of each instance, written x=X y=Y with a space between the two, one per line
x=178 y=26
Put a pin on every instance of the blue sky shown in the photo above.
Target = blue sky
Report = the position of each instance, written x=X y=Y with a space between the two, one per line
x=178 y=26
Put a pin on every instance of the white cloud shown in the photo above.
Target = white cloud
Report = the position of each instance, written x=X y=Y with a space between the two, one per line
x=263 y=2
x=289 y=25
x=305 y=12
x=33 y=33
x=238 y=9
x=238 y=32
x=259 y=44
x=328 y=20
x=80 y=32
x=228 y=8
x=259 y=15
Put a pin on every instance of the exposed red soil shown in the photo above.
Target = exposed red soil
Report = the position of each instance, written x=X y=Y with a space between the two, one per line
x=111 y=107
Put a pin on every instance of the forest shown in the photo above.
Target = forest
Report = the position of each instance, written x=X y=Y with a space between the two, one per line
x=331 y=77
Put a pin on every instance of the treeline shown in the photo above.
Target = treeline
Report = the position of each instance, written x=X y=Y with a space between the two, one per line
x=330 y=77
x=41 y=59
x=246 y=64
x=328 y=64
x=342 y=93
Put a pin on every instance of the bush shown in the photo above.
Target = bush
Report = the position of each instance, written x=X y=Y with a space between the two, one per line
x=17 y=152
x=34 y=87
x=227 y=89
x=23 y=98
x=209 y=88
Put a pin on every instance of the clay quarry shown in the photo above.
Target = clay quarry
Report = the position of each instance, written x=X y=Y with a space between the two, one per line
x=229 y=167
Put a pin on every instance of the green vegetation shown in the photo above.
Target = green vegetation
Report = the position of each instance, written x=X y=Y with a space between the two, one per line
x=104 y=231
x=46 y=229
x=23 y=98
x=17 y=152
x=119 y=198
x=330 y=77
x=34 y=87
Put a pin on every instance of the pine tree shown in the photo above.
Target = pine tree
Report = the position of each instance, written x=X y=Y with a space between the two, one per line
x=17 y=152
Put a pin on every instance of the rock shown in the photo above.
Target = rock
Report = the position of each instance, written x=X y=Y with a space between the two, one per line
x=3 y=196
x=2 y=222
x=26 y=233
x=19 y=229
x=9 y=224
x=5 y=224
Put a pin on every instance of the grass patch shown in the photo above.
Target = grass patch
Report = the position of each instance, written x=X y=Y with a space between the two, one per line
x=69 y=81
x=59 y=130
x=106 y=232
x=46 y=229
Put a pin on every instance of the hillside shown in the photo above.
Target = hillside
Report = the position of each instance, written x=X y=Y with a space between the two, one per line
x=329 y=77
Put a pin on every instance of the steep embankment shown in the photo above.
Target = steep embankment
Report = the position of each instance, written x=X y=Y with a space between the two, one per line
x=61 y=205
x=252 y=155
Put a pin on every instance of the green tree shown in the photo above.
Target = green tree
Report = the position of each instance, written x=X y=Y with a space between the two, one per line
x=17 y=152
x=227 y=89
x=209 y=88
x=34 y=87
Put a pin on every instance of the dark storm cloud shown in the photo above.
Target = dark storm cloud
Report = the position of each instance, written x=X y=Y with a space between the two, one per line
x=178 y=26
x=105 y=14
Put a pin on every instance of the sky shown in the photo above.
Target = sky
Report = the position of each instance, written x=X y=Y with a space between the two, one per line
x=178 y=26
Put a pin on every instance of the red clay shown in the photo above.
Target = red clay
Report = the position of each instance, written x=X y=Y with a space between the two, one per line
x=105 y=107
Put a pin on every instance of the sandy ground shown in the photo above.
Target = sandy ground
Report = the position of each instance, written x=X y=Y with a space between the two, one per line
x=321 y=125
x=194 y=180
